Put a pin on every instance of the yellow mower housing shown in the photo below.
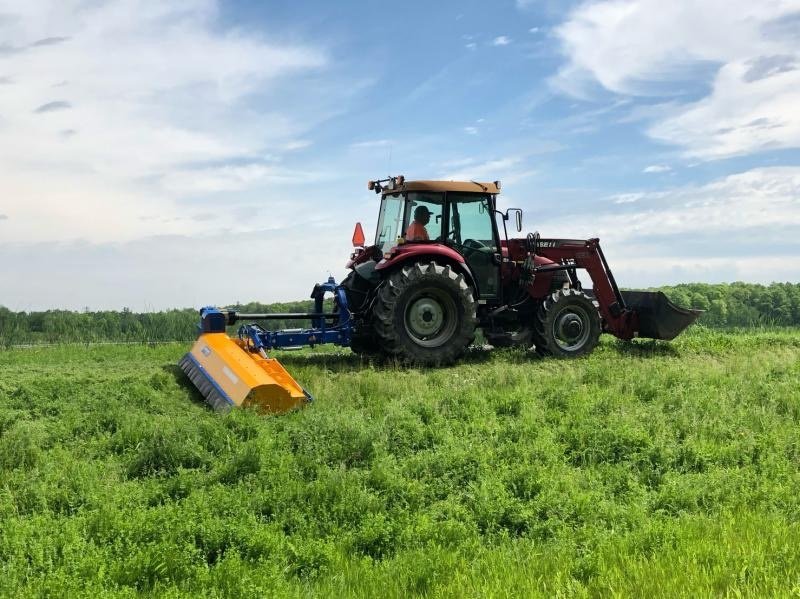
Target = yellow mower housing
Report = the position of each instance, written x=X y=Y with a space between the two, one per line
x=229 y=375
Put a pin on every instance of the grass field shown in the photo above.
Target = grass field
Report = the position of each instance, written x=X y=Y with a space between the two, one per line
x=648 y=469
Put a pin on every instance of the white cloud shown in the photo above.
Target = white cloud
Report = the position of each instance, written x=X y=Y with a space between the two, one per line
x=654 y=271
x=297 y=144
x=371 y=143
x=767 y=199
x=657 y=168
x=626 y=198
x=739 y=117
x=509 y=169
x=647 y=47
x=173 y=271
x=109 y=107
x=471 y=130
x=533 y=30
x=225 y=178
x=501 y=40
x=741 y=227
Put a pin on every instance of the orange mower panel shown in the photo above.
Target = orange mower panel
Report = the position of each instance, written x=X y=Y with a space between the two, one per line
x=228 y=375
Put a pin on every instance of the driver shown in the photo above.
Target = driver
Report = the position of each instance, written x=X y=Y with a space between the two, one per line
x=416 y=230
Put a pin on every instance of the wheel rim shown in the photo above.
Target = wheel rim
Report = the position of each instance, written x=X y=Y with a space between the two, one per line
x=430 y=319
x=571 y=328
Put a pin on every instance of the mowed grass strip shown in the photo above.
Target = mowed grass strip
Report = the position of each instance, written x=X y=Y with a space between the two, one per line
x=647 y=469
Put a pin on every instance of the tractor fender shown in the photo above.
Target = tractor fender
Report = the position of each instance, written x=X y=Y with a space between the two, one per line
x=424 y=252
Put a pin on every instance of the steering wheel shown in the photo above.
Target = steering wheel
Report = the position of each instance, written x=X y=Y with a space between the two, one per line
x=473 y=247
x=474 y=244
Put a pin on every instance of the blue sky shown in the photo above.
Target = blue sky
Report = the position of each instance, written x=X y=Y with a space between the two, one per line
x=159 y=155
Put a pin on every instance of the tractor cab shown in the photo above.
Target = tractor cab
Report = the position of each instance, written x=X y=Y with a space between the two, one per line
x=416 y=215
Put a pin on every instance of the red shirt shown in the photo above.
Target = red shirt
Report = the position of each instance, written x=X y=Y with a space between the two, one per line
x=417 y=232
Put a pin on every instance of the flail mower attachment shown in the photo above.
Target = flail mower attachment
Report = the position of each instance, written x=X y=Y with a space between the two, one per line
x=237 y=372
x=229 y=375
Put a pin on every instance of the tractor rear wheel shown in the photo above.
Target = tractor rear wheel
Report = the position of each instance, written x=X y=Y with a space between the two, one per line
x=567 y=324
x=365 y=344
x=425 y=314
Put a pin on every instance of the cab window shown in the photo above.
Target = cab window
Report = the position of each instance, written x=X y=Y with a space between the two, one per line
x=471 y=222
x=423 y=220
x=390 y=221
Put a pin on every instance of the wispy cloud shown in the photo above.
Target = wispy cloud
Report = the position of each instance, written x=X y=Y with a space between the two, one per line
x=634 y=47
x=49 y=41
x=225 y=178
x=53 y=106
x=297 y=144
x=657 y=168
x=509 y=169
x=370 y=143
x=627 y=198
x=738 y=118
x=127 y=125
x=761 y=198
x=501 y=40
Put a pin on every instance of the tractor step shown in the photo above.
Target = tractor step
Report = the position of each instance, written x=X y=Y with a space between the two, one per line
x=228 y=375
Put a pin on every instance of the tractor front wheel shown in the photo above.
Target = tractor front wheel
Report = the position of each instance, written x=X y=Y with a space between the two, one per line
x=567 y=324
x=425 y=314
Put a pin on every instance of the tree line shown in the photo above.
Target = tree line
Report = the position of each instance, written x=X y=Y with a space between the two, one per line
x=740 y=304
x=726 y=305
x=65 y=326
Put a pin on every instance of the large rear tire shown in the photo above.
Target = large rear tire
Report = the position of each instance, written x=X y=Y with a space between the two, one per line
x=425 y=314
x=567 y=325
x=365 y=344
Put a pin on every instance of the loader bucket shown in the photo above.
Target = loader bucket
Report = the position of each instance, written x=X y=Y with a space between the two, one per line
x=659 y=318
x=228 y=376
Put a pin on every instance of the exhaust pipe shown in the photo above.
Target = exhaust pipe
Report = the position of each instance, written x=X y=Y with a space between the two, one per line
x=659 y=318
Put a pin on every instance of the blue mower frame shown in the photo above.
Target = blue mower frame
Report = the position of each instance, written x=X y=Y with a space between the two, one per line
x=259 y=339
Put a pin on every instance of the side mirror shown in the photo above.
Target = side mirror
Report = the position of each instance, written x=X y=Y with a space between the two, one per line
x=517 y=217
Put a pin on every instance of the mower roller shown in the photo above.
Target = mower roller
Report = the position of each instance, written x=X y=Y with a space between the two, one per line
x=437 y=270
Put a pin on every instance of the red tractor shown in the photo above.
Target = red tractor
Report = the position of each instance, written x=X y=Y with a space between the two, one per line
x=442 y=265
x=438 y=270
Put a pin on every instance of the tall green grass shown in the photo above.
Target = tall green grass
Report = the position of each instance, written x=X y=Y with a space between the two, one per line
x=647 y=469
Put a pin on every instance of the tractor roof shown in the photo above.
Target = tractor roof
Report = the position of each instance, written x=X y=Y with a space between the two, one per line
x=464 y=186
